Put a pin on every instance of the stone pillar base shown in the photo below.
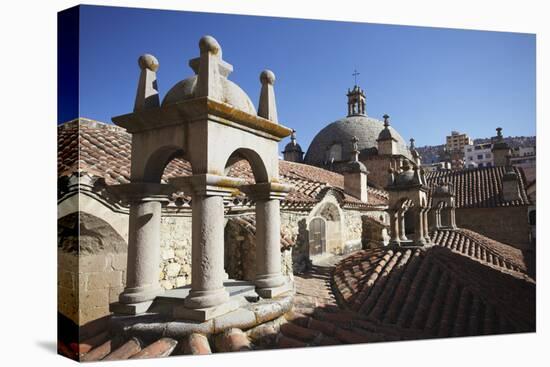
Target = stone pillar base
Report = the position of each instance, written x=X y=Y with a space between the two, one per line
x=204 y=299
x=206 y=313
x=139 y=294
x=130 y=308
x=271 y=292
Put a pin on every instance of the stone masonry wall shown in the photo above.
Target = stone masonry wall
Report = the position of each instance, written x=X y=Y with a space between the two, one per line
x=505 y=224
x=175 y=251
x=91 y=268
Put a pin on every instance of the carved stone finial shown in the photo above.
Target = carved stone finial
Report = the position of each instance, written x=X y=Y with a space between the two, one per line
x=386 y=118
x=147 y=95
x=267 y=107
x=499 y=132
x=210 y=44
x=412 y=143
x=210 y=68
x=267 y=77
x=148 y=61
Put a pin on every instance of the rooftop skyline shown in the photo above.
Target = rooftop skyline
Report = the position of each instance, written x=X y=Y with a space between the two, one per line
x=429 y=80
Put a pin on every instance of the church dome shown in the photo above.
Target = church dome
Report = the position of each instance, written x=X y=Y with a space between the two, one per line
x=232 y=94
x=366 y=129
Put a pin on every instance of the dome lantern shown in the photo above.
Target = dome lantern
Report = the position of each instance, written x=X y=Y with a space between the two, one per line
x=357 y=102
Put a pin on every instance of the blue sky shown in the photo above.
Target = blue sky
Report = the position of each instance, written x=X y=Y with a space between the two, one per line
x=429 y=80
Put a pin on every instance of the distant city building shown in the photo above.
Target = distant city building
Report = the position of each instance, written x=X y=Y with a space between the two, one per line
x=437 y=166
x=524 y=156
x=478 y=155
x=456 y=141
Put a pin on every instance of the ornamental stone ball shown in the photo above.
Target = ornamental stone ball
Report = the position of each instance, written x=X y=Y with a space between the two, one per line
x=267 y=77
x=148 y=61
x=209 y=44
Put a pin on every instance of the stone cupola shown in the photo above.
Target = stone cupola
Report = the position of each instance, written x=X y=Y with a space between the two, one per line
x=293 y=151
x=355 y=175
x=387 y=143
x=357 y=102
x=500 y=149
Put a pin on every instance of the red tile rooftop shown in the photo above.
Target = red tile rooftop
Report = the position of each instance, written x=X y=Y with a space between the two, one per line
x=105 y=152
x=480 y=187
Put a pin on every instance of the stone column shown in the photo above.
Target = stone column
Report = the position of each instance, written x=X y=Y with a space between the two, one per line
x=437 y=218
x=269 y=280
x=207 y=253
x=425 y=223
x=142 y=271
x=208 y=297
x=452 y=217
x=143 y=264
x=394 y=227
x=419 y=227
x=402 y=231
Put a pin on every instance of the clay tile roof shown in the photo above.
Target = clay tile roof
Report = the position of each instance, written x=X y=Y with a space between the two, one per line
x=434 y=292
x=478 y=188
x=105 y=152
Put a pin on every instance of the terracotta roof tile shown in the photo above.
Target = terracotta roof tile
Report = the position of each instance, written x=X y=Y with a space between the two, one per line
x=105 y=152
x=434 y=292
x=478 y=188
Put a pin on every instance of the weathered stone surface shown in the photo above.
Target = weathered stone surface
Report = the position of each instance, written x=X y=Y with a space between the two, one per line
x=94 y=298
x=180 y=282
x=178 y=330
x=240 y=318
x=101 y=280
x=167 y=254
x=92 y=313
x=173 y=269
x=267 y=311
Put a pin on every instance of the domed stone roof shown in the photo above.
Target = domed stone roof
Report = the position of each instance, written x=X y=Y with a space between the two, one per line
x=366 y=129
x=232 y=94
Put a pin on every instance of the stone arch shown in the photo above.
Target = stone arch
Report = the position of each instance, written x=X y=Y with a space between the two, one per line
x=256 y=162
x=158 y=160
x=89 y=251
x=329 y=210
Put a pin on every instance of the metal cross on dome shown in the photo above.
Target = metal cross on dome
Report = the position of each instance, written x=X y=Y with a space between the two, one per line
x=355 y=73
